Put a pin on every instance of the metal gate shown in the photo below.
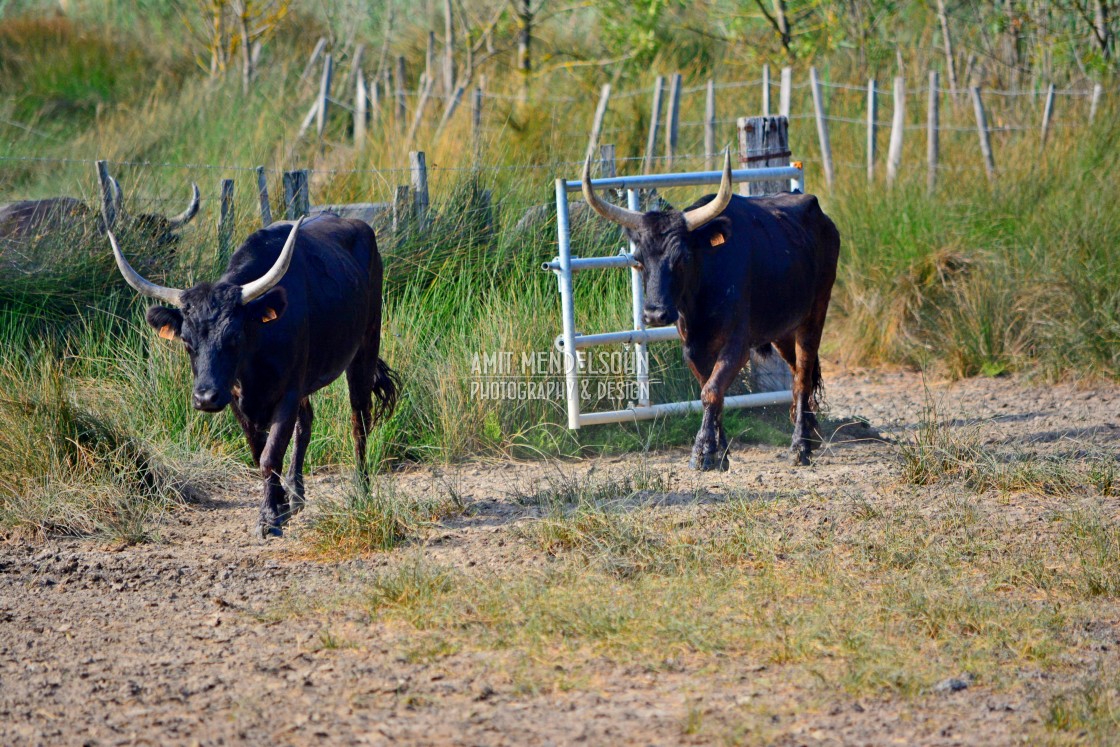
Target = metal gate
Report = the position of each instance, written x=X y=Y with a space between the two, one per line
x=569 y=342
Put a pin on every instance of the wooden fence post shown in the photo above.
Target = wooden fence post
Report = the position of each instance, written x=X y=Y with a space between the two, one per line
x=319 y=47
x=402 y=104
x=108 y=203
x=402 y=206
x=672 y=120
x=982 y=131
x=872 y=127
x=225 y=222
x=898 y=123
x=607 y=167
x=1047 y=115
x=763 y=141
x=654 y=123
x=1095 y=101
x=785 y=91
x=297 y=201
x=933 y=124
x=597 y=123
x=822 y=126
x=710 y=126
x=766 y=90
x=449 y=111
x=425 y=93
x=262 y=197
x=419 y=166
x=324 y=94
x=476 y=118
x=360 y=112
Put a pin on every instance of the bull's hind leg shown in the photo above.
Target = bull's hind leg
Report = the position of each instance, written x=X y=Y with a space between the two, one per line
x=295 y=489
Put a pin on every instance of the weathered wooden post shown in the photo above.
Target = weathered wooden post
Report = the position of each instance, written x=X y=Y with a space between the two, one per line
x=476 y=119
x=933 y=125
x=225 y=222
x=872 y=127
x=654 y=123
x=822 y=126
x=324 y=95
x=297 y=201
x=449 y=111
x=672 y=120
x=766 y=90
x=402 y=104
x=262 y=197
x=402 y=207
x=1047 y=114
x=108 y=204
x=763 y=141
x=1095 y=101
x=319 y=47
x=425 y=93
x=419 y=166
x=360 y=112
x=597 y=123
x=898 y=124
x=982 y=131
x=785 y=91
x=607 y=168
x=710 y=126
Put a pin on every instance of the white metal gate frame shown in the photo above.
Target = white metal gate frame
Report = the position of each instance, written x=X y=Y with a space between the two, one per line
x=564 y=265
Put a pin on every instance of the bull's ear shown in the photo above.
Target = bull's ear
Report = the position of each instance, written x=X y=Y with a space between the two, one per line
x=713 y=234
x=167 y=321
x=269 y=307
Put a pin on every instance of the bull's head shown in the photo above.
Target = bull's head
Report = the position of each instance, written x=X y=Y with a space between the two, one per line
x=218 y=323
x=150 y=228
x=668 y=244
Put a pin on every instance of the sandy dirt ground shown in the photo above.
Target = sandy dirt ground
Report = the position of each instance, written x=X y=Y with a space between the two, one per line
x=175 y=642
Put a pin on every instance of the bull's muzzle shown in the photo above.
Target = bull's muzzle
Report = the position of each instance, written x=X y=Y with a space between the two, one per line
x=659 y=316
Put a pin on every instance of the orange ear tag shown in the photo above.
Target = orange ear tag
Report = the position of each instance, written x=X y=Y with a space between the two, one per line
x=269 y=315
x=717 y=239
x=166 y=332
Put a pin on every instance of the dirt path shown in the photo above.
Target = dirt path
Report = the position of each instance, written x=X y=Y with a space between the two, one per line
x=194 y=640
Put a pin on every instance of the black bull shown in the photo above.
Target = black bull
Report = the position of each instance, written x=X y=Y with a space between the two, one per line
x=737 y=274
x=298 y=306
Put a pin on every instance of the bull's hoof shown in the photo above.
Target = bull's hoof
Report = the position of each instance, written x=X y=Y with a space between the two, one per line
x=800 y=458
x=267 y=530
x=709 y=462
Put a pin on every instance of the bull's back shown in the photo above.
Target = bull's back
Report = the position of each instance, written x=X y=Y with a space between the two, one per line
x=330 y=289
x=29 y=217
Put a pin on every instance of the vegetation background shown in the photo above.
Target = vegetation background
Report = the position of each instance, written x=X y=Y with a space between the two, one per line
x=974 y=278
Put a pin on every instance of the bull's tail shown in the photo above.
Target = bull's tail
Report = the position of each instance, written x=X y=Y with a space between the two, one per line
x=816 y=391
x=386 y=389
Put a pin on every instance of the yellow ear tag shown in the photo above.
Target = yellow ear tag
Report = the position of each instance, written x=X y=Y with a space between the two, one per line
x=717 y=239
x=166 y=332
x=269 y=315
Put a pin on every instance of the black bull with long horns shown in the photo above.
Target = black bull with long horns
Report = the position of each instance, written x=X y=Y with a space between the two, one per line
x=736 y=274
x=298 y=305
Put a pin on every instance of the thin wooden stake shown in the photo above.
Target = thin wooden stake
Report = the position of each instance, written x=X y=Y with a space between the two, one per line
x=402 y=104
x=1095 y=101
x=898 y=122
x=784 y=92
x=108 y=204
x=262 y=197
x=607 y=169
x=982 y=131
x=710 y=126
x=872 y=127
x=933 y=124
x=421 y=105
x=449 y=111
x=402 y=206
x=672 y=120
x=597 y=124
x=324 y=94
x=297 y=201
x=822 y=126
x=1047 y=114
x=654 y=124
x=476 y=116
x=360 y=112
x=766 y=90
x=419 y=167
x=319 y=47
x=225 y=222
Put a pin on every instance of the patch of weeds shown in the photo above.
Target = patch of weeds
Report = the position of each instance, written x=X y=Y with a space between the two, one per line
x=1090 y=712
x=409 y=587
x=328 y=641
x=592 y=488
x=374 y=518
x=1104 y=475
x=430 y=648
x=1096 y=543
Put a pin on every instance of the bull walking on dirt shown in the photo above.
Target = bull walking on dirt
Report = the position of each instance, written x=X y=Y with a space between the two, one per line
x=737 y=274
x=298 y=304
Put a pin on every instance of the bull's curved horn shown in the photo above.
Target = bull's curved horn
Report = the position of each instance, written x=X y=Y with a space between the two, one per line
x=697 y=217
x=257 y=288
x=184 y=217
x=143 y=286
x=614 y=213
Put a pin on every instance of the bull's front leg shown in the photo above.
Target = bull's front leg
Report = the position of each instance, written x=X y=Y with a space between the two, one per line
x=274 y=504
x=710 y=449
